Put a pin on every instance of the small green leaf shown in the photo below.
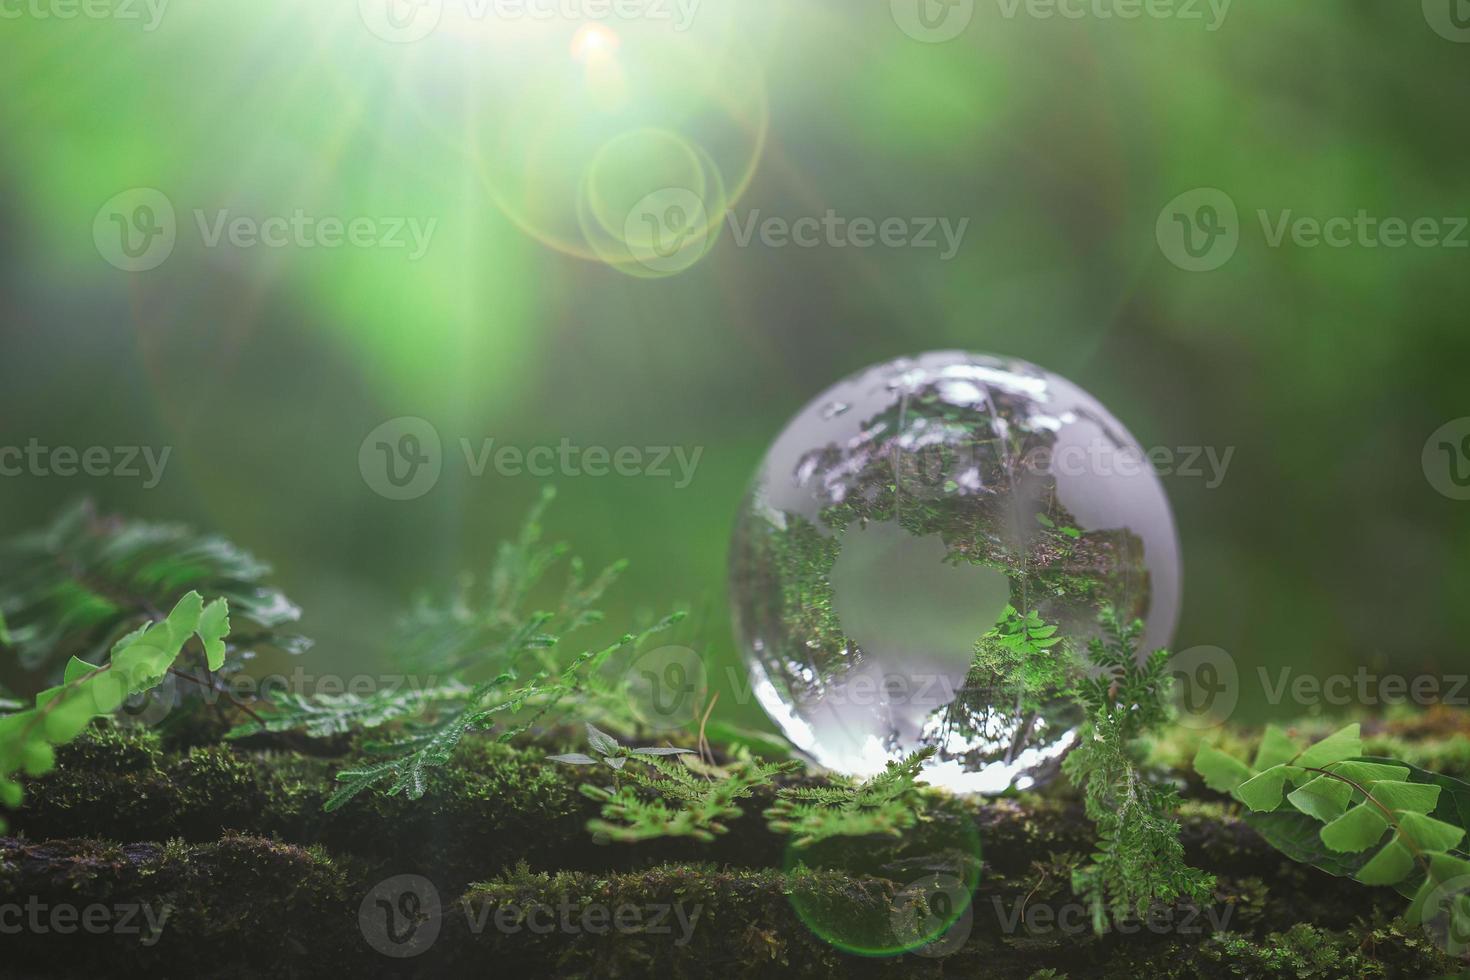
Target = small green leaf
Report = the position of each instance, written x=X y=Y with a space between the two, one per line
x=1221 y=772
x=65 y=720
x=573 y=758
x=1363 y=773
x=1389 y=866
x=76 y=669
x=1324 y=798
x=1444 y=869
x=1420 y=798
x=1263 y=790
x=602 y=743
x=1357 y=830
x=10 y=793
x=1430 y=834
x=214 y=626
x=662 y=751
x=36 y=757
x=1299 y=837
x=1276 y=748
x=1340 y=745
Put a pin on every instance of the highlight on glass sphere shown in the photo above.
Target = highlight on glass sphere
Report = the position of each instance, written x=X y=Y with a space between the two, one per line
x=924 y=555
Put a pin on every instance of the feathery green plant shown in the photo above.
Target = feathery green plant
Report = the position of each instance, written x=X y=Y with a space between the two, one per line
x=427 y=746
x=610 y=752
x=1139 y=861
x=1019 y=652
x=676 y=802
x=888 y=803
x=76 y=587
x=1342 y=807
x=324 y=715
x=490 y=657
x=138 y=662
x=679 y=802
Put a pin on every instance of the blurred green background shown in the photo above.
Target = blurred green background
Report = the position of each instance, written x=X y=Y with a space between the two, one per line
x=535 y=315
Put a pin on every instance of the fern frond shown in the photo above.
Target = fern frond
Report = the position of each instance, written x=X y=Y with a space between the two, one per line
x=323 y=715
x=704 y=805
x=434 y=746
x=1139 y=861
x=76 y=587
x=888 y=803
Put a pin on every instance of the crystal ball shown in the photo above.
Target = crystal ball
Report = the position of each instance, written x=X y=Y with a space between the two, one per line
x=907 y=522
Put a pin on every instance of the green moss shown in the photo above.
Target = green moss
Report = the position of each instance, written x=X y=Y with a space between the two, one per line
x=233 y=840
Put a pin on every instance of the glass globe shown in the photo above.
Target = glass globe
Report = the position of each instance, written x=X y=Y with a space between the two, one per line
x=906 y=527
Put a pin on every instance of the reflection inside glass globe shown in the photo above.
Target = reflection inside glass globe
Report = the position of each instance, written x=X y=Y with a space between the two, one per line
x=924 y=555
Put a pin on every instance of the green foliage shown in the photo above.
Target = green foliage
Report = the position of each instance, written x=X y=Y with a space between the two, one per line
x=610 y=753
x=484 y=627
x=138 y=662
x=1019 y=651
x=888 y=803
x=1139 y=861
x=323 y=715
x=76 y=587
x=674 y=800
x=498 y=662
x=431 y=745
x=1341 y=808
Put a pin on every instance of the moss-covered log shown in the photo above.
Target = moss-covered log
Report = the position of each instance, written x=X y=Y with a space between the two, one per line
x=230 y=867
